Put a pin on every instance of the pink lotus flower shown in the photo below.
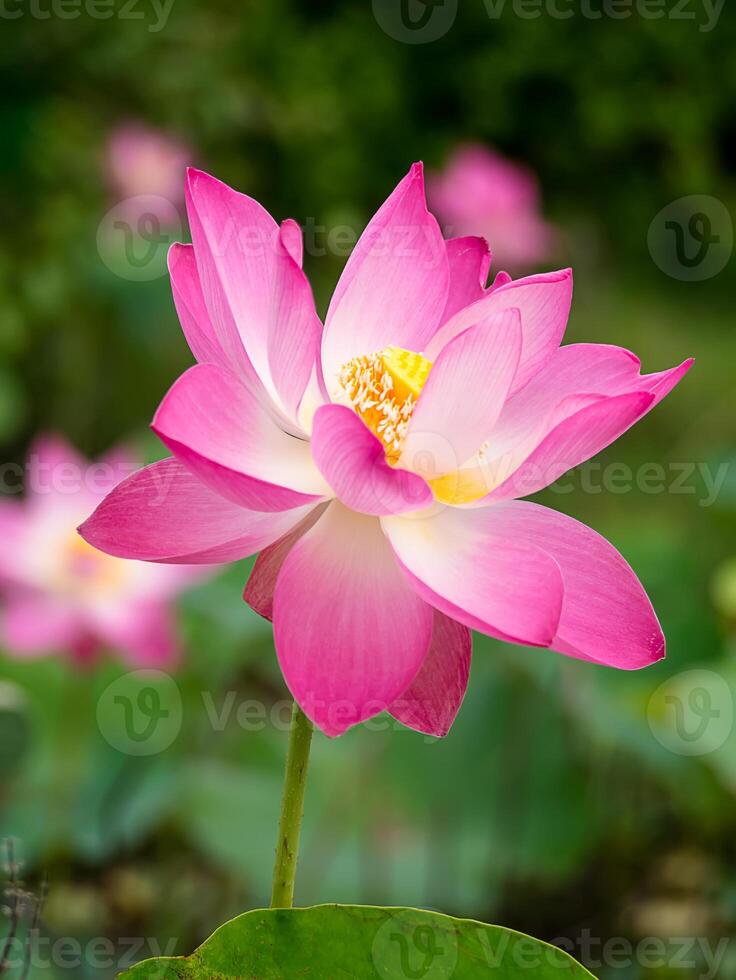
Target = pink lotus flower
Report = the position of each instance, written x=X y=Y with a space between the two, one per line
x=58 y=592
x=376 y=464
x=481 y=193
x=141 y=160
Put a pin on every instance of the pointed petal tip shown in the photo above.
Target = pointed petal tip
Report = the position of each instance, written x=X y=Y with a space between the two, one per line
x=86 y=531
x=470 y=242
x=660 y=650
x=175 y=254
x=332 y=725
x=416 y=183
x=256 y=603
x=656 y=653
x=194 y=173
x=555 y=276
x=667 y=380
x=196 y=179
x=291 y=241
x=155 y=428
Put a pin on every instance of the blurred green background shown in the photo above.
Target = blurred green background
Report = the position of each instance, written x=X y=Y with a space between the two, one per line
x=563 y=802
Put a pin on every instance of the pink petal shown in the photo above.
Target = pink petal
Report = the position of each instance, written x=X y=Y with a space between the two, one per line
x=502 y=278
x=462 y=563
x=579 y=369
x=606 y=615
x=432 y=700
x=257 y=294
x=662 y=383
x=294 y=329
x=597 y=369
x=217 y=219
x=464 y=393
x=573 y=378
x=578 y=437
x=394 y=287
x=480 y=192
x=544 y=303
x=218 y=429
x=164 y=513
x=111 y=469
x=190 y=306
x=350 y=633
x=469 y=260
x=291 y=236
x=314 y=395
x=353 y=462
x=259 y=590
x=32 y=623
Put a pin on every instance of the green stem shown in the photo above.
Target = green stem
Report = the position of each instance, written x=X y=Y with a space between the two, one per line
x=292 y=810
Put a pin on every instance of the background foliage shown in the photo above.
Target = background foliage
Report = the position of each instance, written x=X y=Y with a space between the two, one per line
x=551 y=807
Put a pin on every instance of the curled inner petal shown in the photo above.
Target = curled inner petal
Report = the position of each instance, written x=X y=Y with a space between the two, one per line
x=383 y=389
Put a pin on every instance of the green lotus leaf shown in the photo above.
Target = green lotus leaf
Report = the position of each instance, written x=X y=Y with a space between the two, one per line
x=350 y=942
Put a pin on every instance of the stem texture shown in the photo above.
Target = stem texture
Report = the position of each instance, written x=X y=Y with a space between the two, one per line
x=292 y=810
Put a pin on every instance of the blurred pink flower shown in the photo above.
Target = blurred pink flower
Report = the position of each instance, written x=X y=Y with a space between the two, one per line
x=376 y=464
x=481 y=193
x=141 y=160
x=61 y=594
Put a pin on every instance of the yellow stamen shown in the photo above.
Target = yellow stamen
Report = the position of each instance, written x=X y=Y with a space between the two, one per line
x=383 y=389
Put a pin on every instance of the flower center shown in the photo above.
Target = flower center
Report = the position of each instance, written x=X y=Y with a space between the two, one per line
x=383 y=389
